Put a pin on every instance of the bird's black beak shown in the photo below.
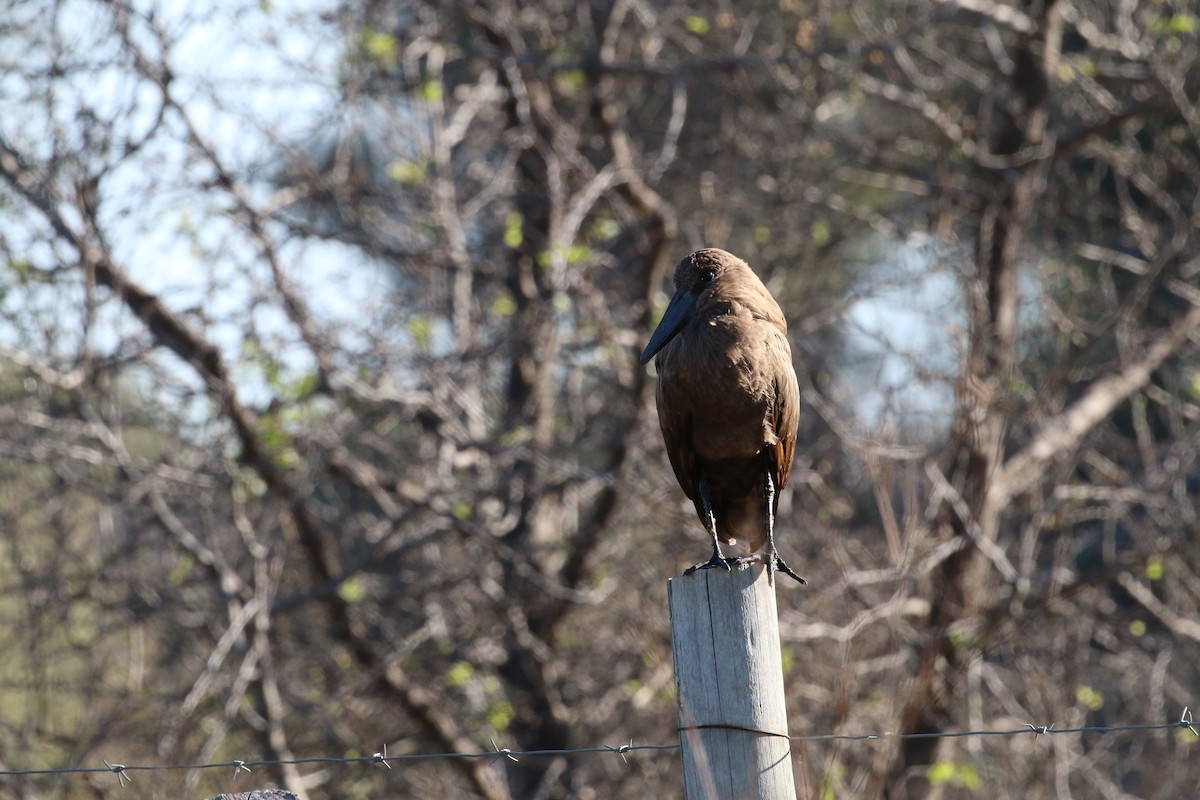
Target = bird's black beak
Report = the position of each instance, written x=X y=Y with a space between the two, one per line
x=677 y=313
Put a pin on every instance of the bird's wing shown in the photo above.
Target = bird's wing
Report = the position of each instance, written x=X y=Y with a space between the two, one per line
x=786 y=421
x=676 y=424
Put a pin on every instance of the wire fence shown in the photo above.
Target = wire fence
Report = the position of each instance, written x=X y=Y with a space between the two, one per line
x=382 y=758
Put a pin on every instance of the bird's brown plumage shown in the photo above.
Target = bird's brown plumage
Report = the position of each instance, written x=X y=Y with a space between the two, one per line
x=728 y=399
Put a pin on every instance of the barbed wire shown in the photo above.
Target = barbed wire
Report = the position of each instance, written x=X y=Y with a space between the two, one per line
x=122 y=771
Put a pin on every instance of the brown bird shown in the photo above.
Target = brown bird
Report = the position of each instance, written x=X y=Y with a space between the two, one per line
x=728 y=402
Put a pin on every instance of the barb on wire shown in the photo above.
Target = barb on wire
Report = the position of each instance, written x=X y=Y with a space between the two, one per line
x=496 y=753
x=1185 y=721
x=622 y=750
x=120 y=770
x=502 y=752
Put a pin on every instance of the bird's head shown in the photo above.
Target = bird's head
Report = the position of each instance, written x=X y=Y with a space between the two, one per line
x=705 y=283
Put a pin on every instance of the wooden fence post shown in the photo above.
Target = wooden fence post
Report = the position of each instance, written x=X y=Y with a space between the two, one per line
x=729 y=685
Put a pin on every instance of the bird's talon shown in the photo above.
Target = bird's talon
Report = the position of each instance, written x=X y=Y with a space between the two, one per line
x=782 y=566
x=715 y=561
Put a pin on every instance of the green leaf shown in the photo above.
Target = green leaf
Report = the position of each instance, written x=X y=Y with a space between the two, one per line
x=287 y=458
x=572 y=254
x=420 y=328
x=1174 y=25
x=821 y=232
x=382 y=48
x=604 y=228
x=1154 y=568
x=181 y=570
x=513 y=236
x=431 y=91
x=352 y=590
x=303 y=387
x=500 y=714
x=503 y=304
x=460 y=673
x=272 y=432
x=788 y=659
x=569 y=82
x=940 y=773
x=964 y=776
x=252 y=484
x=697 y=25
x=1090 y=697
x=835 y=775
x=518 y=434
x=405 y=171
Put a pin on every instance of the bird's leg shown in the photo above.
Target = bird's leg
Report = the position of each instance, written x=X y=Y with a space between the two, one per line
x=770 y=555
x=710 y=522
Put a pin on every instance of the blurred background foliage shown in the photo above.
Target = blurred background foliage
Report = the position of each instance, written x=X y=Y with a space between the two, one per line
x=323 y=424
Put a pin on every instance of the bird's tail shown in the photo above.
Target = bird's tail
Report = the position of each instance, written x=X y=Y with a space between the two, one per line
x=745 y=521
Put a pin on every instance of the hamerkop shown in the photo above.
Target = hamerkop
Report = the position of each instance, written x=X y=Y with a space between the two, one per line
x=728 y=402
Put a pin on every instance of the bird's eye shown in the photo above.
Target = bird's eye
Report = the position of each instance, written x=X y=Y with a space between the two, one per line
x=708 y=275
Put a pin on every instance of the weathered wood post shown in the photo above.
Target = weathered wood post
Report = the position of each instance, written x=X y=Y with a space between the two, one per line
x=729 y=685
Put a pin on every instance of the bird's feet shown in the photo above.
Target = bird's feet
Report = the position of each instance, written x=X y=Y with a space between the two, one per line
x=781 y=565
x=717 y=560
x=773 y=563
